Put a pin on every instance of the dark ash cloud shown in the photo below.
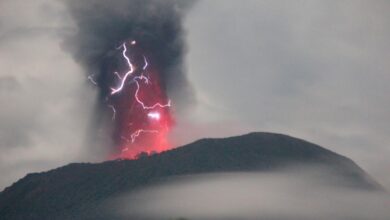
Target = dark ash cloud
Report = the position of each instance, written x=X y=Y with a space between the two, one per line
x=102 y=27
x=156 y=25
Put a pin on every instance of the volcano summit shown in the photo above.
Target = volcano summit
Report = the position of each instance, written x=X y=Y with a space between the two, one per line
x=79 y=191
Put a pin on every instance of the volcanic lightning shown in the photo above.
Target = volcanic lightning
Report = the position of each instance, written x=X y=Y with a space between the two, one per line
x=127 y=74
x=113 y=111
x=138 y=132
x=154 y=115
x=90 y=78
x=136 y=62
x=142 y=77
x=136 y=97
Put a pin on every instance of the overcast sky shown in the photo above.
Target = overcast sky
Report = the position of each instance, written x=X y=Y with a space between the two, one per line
x=317 y=70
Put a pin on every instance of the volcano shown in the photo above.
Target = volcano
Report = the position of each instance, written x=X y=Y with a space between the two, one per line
x=78 y=191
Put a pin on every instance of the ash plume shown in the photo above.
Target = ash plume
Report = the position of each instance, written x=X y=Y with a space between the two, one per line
x=155 y=25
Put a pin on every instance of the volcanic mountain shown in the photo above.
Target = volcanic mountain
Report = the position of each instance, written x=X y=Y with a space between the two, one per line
x=77 y=191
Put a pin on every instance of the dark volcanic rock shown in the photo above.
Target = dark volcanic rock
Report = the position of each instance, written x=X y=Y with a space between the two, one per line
x=76 y=191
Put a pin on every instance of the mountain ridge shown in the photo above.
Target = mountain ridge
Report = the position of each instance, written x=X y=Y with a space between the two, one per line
x=75 y=191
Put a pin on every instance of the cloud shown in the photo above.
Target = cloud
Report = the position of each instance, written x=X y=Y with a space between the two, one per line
x=156 y=27
x=317 y=70
x=45 y=100
x=293 y=194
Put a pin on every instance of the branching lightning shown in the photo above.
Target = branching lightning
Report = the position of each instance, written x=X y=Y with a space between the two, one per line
x=127 y=74
x=144 y=106
x=140 y=80
x=134 y=65
x=138 y=132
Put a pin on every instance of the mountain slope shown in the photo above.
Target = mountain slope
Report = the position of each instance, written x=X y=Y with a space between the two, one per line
x=76 y=191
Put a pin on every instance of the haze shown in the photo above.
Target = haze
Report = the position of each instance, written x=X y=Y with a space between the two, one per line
x=317 y=70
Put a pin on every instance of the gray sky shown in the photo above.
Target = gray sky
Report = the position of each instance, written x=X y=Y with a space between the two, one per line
x=45 y=110
x=317 y=70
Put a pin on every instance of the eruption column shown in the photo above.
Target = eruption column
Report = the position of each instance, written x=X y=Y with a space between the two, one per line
x=148 y=116
x=135 y=75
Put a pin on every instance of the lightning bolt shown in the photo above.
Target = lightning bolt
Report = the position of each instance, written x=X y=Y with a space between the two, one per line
x=136 y=79
x=154 y=115
x=127 y=74
x=146 y=64
x=144 y=106
x=90 y=78
x=142 y=77
x=138 y=132
x=117 y=75
x=113 y=111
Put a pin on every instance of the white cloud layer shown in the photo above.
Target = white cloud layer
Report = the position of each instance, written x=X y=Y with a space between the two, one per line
x=292 y=195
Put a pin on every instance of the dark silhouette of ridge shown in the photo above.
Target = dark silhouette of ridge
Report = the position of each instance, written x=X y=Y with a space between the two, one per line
x=76 y=191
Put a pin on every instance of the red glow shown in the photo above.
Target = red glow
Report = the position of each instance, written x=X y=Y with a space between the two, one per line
x=142 y=121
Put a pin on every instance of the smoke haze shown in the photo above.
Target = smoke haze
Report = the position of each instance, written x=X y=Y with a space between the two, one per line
x=44 y=105
x=317 y=70
x=289 y=194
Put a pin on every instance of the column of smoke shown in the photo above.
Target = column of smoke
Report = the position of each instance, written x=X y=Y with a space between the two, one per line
x=149 y=33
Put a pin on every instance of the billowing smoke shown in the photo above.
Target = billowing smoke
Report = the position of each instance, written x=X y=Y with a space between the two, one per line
x=133 y=52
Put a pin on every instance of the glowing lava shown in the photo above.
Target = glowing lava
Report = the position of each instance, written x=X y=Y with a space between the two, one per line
x=140 y=108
